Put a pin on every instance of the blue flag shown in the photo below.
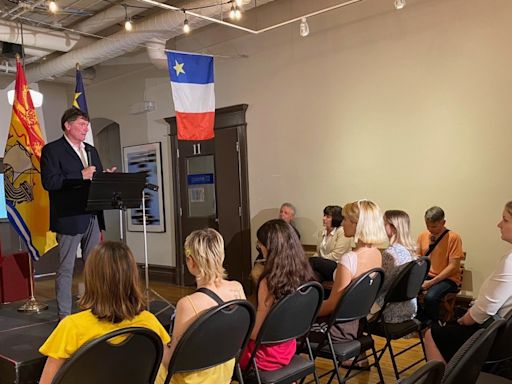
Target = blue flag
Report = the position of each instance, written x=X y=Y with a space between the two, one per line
x=79 y=100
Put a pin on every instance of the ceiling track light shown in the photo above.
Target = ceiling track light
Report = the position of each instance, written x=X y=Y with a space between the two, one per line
x=400 y=4
x=53 y=7
x=304 y=27
x=128 y=24
x=186 y=25
x=235 y=13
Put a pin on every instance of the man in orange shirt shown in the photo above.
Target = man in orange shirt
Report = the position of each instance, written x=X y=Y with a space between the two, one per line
x=444 y=247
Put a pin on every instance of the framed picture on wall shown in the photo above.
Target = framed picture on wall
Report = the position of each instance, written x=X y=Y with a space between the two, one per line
x=146 y=157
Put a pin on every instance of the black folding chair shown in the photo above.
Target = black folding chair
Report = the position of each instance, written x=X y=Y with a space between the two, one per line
x=134 y=360
x=354 y=304
x=217 y=336
x=405 y=287
x=499 y=361
x=464 y=366
x=290 y=318
x=430 y=373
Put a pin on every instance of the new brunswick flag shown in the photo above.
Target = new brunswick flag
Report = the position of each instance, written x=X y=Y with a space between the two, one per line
x=27 y=201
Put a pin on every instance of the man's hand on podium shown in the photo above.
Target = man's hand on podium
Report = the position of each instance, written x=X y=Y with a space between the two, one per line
x=110 y=170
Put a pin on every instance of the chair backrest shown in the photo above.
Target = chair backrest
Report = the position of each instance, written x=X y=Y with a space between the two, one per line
x=430 y=373
x=357 y=299
x=407 y=283
x=502 y=347
x=465 y=365
x=134 y=360
x=292 y=316
x=218 y=335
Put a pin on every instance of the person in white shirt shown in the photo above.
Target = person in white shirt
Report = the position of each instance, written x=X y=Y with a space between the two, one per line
x=494 y=298
x=332 y=245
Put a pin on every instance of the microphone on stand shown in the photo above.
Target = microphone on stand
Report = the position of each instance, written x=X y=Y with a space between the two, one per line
x=88 y=153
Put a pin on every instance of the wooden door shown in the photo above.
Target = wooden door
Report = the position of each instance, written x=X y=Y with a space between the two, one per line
x=211 y=190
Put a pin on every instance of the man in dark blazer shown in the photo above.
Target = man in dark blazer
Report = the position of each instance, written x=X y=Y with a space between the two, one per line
x=67 y=165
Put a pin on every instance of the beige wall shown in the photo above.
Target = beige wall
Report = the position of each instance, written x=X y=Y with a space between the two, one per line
x=408 y=108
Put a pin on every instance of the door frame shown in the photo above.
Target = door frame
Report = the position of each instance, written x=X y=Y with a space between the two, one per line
x=226 y=117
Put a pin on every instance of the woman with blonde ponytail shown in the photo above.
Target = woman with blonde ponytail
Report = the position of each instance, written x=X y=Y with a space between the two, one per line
x=401 y=251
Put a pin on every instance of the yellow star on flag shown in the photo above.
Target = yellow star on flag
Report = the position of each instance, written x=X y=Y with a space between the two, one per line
x=178 y=67
x=75 y=100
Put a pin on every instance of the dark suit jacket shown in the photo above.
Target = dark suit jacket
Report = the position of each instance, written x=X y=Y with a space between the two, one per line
x=61 y=173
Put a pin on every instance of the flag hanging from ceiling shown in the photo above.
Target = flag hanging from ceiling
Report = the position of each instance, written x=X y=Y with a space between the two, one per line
x=80 y=102
x=193 y=94
x=27 y=201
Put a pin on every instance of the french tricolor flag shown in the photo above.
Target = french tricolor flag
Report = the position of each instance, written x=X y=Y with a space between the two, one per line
x=193 y=94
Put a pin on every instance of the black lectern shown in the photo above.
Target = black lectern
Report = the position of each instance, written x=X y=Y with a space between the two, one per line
x=115 y=191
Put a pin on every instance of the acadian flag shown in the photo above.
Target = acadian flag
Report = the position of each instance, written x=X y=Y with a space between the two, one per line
x=193 y=94
x=80 y=103
x=27 y=201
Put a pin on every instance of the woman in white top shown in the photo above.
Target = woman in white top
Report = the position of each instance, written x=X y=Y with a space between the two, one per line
x=494 y=298
x=332 y=245
x=362 y=219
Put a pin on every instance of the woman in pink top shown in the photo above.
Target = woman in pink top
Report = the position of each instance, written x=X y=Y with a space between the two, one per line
x=286 y=269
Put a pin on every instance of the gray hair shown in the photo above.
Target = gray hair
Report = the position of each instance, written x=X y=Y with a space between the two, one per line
x=289 y=205
x=434 y=214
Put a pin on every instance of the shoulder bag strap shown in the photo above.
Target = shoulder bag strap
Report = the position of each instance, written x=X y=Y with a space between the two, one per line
x=433 y=245
x=211 y=294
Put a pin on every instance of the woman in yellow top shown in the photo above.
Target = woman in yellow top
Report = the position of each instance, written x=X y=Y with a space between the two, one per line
x=112 y=300
x=204 y=250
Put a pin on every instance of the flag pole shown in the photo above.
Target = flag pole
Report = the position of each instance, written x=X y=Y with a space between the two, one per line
x=32 y=305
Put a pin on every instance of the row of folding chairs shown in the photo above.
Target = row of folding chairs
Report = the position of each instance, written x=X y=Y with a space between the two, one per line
x=222 y=332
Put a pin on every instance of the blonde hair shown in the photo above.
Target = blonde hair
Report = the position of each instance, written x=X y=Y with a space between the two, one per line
x=370 y=225
x=508 y=207
x=112 y=285
x=206 y=247
x=401 y=222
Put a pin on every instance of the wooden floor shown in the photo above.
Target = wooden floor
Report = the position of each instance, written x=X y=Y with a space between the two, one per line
x=44 y=290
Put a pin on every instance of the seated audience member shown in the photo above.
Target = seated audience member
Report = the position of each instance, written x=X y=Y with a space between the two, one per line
x=333 y=244
x=362 y=220
x=286 y=269
x=494 y=298
x=444 y=247
x=112 y=300
x=286 y=213
x=204 y=250
x=401 y=251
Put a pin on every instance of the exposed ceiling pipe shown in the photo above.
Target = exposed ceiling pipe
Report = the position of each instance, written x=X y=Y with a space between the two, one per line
x=161 y=26
x=27 y=8
x=156 y=53
x=37 y=37
x=110 y=16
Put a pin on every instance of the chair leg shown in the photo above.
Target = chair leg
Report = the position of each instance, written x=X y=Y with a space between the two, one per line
x=239 y=373
x=377 y=365
x=312 y=358
x=420 y=335
x=393 y=360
